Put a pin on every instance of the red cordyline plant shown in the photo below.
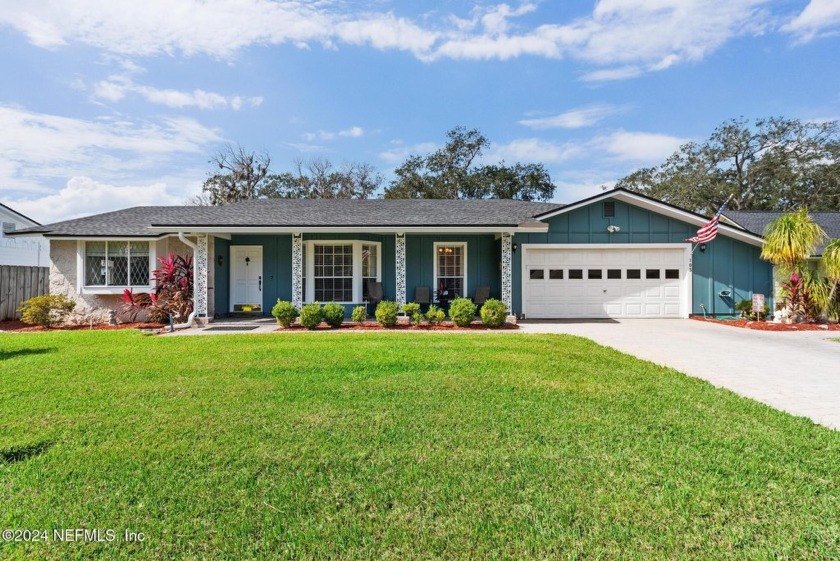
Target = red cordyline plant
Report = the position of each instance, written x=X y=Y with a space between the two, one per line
x=173 y=293
x=796 y=296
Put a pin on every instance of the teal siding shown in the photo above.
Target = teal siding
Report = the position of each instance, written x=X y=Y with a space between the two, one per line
x=483 y=258
x=277 y=271
x=221 y=283
x=726 y=264
x=389 y=270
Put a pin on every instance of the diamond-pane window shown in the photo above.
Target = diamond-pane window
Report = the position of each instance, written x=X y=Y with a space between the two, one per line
x=95 y=264
x=117 y=263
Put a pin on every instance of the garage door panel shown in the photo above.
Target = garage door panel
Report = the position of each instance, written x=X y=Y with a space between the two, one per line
x=612 y=295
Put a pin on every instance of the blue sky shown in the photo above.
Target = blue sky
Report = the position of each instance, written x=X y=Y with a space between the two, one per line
x=112 y=104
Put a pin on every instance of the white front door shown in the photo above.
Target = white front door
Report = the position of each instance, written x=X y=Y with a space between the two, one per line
x=246 y=278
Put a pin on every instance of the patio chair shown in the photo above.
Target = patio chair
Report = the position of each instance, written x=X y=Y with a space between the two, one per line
x=482 y=293
x=375 y=293
x=421 y=296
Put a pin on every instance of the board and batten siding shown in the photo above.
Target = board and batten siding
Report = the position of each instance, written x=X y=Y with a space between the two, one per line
x=726 y=265
x=483 y=259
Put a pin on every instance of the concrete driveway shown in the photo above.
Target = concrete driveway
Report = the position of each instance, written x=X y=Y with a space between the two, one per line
x=797 y=372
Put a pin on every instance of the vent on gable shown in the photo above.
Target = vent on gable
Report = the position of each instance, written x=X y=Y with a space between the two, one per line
x=609 y=209
x=8 y=227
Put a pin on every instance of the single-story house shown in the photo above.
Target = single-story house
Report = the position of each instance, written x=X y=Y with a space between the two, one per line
x=617 y=254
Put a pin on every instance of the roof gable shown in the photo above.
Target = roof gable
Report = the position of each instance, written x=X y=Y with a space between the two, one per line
x=658 y=207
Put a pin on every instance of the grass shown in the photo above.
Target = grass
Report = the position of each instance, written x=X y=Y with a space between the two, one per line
x=400 y=446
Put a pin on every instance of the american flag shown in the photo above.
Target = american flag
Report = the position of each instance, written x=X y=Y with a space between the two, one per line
x=710 y=229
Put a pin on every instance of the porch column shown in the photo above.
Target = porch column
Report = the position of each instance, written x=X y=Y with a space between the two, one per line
x=297 y=270
x=201 y=264
x=507 y=272
x=400 y=262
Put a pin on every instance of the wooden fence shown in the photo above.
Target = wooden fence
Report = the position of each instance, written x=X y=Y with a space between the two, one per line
x=18 y=284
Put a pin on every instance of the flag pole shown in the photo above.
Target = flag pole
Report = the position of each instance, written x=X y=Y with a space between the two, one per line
x=719 y=212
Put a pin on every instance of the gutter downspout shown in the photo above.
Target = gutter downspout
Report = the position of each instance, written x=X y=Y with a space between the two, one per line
x=191 y=317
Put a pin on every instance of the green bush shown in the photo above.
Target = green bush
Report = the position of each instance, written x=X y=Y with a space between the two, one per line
x=46 y=310
x=310 y=315
x=285 y=312
x=386 y=313
x=462 y=311
x=333 y=314
x=493 y=313
x=359 y=314
x=435 y=315
x=412 y=310
x=745 y=307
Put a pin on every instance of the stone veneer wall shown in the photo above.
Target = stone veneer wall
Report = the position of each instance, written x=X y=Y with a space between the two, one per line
x=63 y=277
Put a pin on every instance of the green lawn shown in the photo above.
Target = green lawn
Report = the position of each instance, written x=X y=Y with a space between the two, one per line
x=397 y=445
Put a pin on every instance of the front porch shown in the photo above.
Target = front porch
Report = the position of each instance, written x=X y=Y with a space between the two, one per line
x=246 y=273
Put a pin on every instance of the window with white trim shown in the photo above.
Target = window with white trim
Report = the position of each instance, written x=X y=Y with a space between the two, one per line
x=333 y=273
x=370 y=267
x=451 y=268
x=338 y=271
x=117 y=263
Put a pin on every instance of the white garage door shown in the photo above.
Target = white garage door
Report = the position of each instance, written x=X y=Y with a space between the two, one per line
x=605 y=283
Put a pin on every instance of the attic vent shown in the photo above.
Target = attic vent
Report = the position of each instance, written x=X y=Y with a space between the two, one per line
x=609 y=209
x=8 y=227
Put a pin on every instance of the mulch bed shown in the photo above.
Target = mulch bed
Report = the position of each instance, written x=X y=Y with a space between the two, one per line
x=19 y=326
x=371 y=326
x=770 y=326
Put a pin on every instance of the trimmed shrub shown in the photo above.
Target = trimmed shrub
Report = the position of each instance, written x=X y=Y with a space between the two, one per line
x=745 y=307
x=462 y=311
x=411 y=309
x=285 y=312
x=310 y=315
x=386 y=313
x=493 y=313
x=435 y=315
x=359 y=314
x=46 y=310
x=333 y=314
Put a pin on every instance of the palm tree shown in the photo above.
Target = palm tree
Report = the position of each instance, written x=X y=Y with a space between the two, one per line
x=790 y=239
x=831 y=270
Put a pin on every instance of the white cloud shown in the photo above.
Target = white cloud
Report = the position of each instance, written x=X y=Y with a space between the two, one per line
x=38 y=149
x=820 y=17
x=638 y=147
x=401 y=151
x=573 y=119
x=83 y=196
x=609 y=74
x=352 y=132
x=116 y=87
x=533 y=150
x=620 y=35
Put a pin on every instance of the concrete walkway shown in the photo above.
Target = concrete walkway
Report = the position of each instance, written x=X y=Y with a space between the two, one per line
x=797 y=372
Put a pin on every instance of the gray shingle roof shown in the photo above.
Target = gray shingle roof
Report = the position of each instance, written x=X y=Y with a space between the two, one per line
x=757 y=220
x=305 y=213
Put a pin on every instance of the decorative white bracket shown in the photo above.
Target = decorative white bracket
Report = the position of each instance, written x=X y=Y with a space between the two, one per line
x=400 y=261
x=507 y=271
x=297 y=270
x=201 y=264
